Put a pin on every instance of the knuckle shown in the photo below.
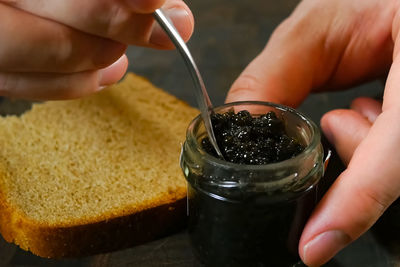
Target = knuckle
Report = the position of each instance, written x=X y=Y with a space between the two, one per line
x=75 y=51
x=61 y=49
x=245 y=87
x=112 y=18
x=105 y=18
x=283 y=27
x=63 y=45
x=377 y=201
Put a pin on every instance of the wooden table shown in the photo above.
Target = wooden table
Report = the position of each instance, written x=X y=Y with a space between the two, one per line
x=228 y=34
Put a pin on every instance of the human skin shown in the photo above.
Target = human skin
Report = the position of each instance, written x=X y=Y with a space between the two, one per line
x=57 y=49
x=66 y=49
x=331 y=45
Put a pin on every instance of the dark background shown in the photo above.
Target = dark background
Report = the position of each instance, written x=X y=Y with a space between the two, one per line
x=228 y=35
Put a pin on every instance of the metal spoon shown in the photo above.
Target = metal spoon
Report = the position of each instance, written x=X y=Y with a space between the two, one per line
x=202 y=97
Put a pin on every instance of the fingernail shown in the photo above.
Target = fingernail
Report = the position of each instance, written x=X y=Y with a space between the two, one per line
x=178 y=16
x=324 y=246
x=101 y=88
x=114 y=72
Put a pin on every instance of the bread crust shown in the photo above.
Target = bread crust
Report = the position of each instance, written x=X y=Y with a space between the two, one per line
x=93 y=238
x=112 y=227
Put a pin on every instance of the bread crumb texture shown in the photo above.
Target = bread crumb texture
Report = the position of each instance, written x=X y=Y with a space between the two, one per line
x=111 y=154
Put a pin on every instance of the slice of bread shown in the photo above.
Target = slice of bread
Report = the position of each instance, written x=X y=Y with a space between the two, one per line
x=102 y=173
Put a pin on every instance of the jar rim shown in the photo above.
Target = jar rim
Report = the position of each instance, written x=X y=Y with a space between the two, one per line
x=315 y=138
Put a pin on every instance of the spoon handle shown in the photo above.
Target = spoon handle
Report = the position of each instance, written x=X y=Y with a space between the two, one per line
x=202 y=97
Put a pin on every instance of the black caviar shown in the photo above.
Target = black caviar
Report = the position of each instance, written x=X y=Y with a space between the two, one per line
x=245 y=139
x=255 y=230
x=245 y=216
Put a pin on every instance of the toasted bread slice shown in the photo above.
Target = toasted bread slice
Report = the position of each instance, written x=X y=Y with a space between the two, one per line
x=97 y=174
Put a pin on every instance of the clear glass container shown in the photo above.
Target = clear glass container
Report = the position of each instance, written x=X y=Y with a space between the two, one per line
x=251 y=215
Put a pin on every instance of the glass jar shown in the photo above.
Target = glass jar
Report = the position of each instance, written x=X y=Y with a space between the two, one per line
x=251 y=215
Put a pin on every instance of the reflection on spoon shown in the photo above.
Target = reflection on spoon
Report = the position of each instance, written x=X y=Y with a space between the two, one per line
x=202 y=97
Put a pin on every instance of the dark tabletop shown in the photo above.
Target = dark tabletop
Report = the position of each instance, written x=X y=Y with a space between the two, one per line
x=228 y=34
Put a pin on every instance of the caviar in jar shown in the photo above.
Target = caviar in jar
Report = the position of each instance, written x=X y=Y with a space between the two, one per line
x=249 y=208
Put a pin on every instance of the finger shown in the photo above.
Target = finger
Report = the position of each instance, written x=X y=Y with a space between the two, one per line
x=49 y=46
x=321 y=46
x=114 y=72
x=363 y=192
x=345 y=129
x=179 y=17
x=145 y=7
x=368 y=107
x=282 y=73
x=358 y=197
x=45 y=86
x=115 y=20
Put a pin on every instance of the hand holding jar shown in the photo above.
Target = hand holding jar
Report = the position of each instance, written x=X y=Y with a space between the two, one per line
x=329 y=45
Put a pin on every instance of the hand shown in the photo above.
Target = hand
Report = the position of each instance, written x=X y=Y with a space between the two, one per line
x=56 y=49
x=330 y=45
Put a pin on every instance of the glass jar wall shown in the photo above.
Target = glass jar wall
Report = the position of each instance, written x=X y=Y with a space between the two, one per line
x=251 y=215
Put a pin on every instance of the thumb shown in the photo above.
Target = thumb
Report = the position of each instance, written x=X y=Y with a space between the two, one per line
x=274 y=75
